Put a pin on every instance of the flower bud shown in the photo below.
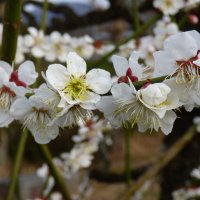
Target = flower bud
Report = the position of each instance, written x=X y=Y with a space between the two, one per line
x=155 y=94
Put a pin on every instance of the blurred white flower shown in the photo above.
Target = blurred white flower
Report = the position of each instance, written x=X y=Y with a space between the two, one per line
x=169 y=7
x=163 y=29
x=83 y=46
x=195 y=173
x=56 y=48
x=36 y=42
x=100 y=4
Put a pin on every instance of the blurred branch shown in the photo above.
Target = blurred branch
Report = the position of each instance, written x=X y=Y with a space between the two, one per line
x=162 y=162
x=11 y=26
x=16 y=166
x=136 y=34
x=54 y=171
x=127 y=147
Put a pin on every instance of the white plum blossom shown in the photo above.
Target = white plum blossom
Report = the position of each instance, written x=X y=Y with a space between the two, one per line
x=180 y=61
x=129 y=69
x=163 y=29
x=36 y=114
x=36 y=41
x=126 y=49
x=83 y=46
x=147 y=47
x=169 y=7
x=79 y=91
x=150 y=107
x=14 y=84
x=56 y=48
x=178 y=58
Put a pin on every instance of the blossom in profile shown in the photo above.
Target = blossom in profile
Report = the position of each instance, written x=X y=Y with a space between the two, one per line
x=150 y=107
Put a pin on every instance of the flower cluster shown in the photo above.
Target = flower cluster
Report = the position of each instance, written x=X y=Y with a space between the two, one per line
x=56 y=46
x=71 y=94
x=147 y=45
x=192 y=190
x=171 y=7
x=86 y=143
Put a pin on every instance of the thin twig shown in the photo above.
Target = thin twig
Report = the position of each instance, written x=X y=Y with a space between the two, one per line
x=161 y=163
x=54 y=171
x=16 y=166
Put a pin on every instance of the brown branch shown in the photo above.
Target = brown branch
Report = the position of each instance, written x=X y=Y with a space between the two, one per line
x=162 y=162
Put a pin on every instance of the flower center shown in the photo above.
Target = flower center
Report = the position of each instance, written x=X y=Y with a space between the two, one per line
x=14 y=78
x=76 y=88
x=188 y=71
x=98 y=44
x=40 y=117
x=6 y=97
x=129 y=75
x=169 y=3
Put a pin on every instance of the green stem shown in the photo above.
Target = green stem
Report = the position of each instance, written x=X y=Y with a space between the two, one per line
x=161 y=163
x=16 y=166
x=11 y=21
x=128 y=156
x=139 y=84
x=54 y=171
x=136 y=34
x=44 y=16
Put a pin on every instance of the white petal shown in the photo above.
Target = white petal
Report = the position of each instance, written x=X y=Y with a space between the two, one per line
x=18 y=90
x=37 y=52
x=57 y=76
x=33 y=31
x=167 y=123
x=134 y=65
x=99 y=80
x=55 y=36
x=106 y=105
x=27 y=73
x=75 y=64
x=181 y=46
x=91 y=98
x=5 y=118
x=20 y=108
x=6 y=67
x=45 y=135
x=164 y=63
x=120 y=65
x=122 y=91
x=4 y=76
